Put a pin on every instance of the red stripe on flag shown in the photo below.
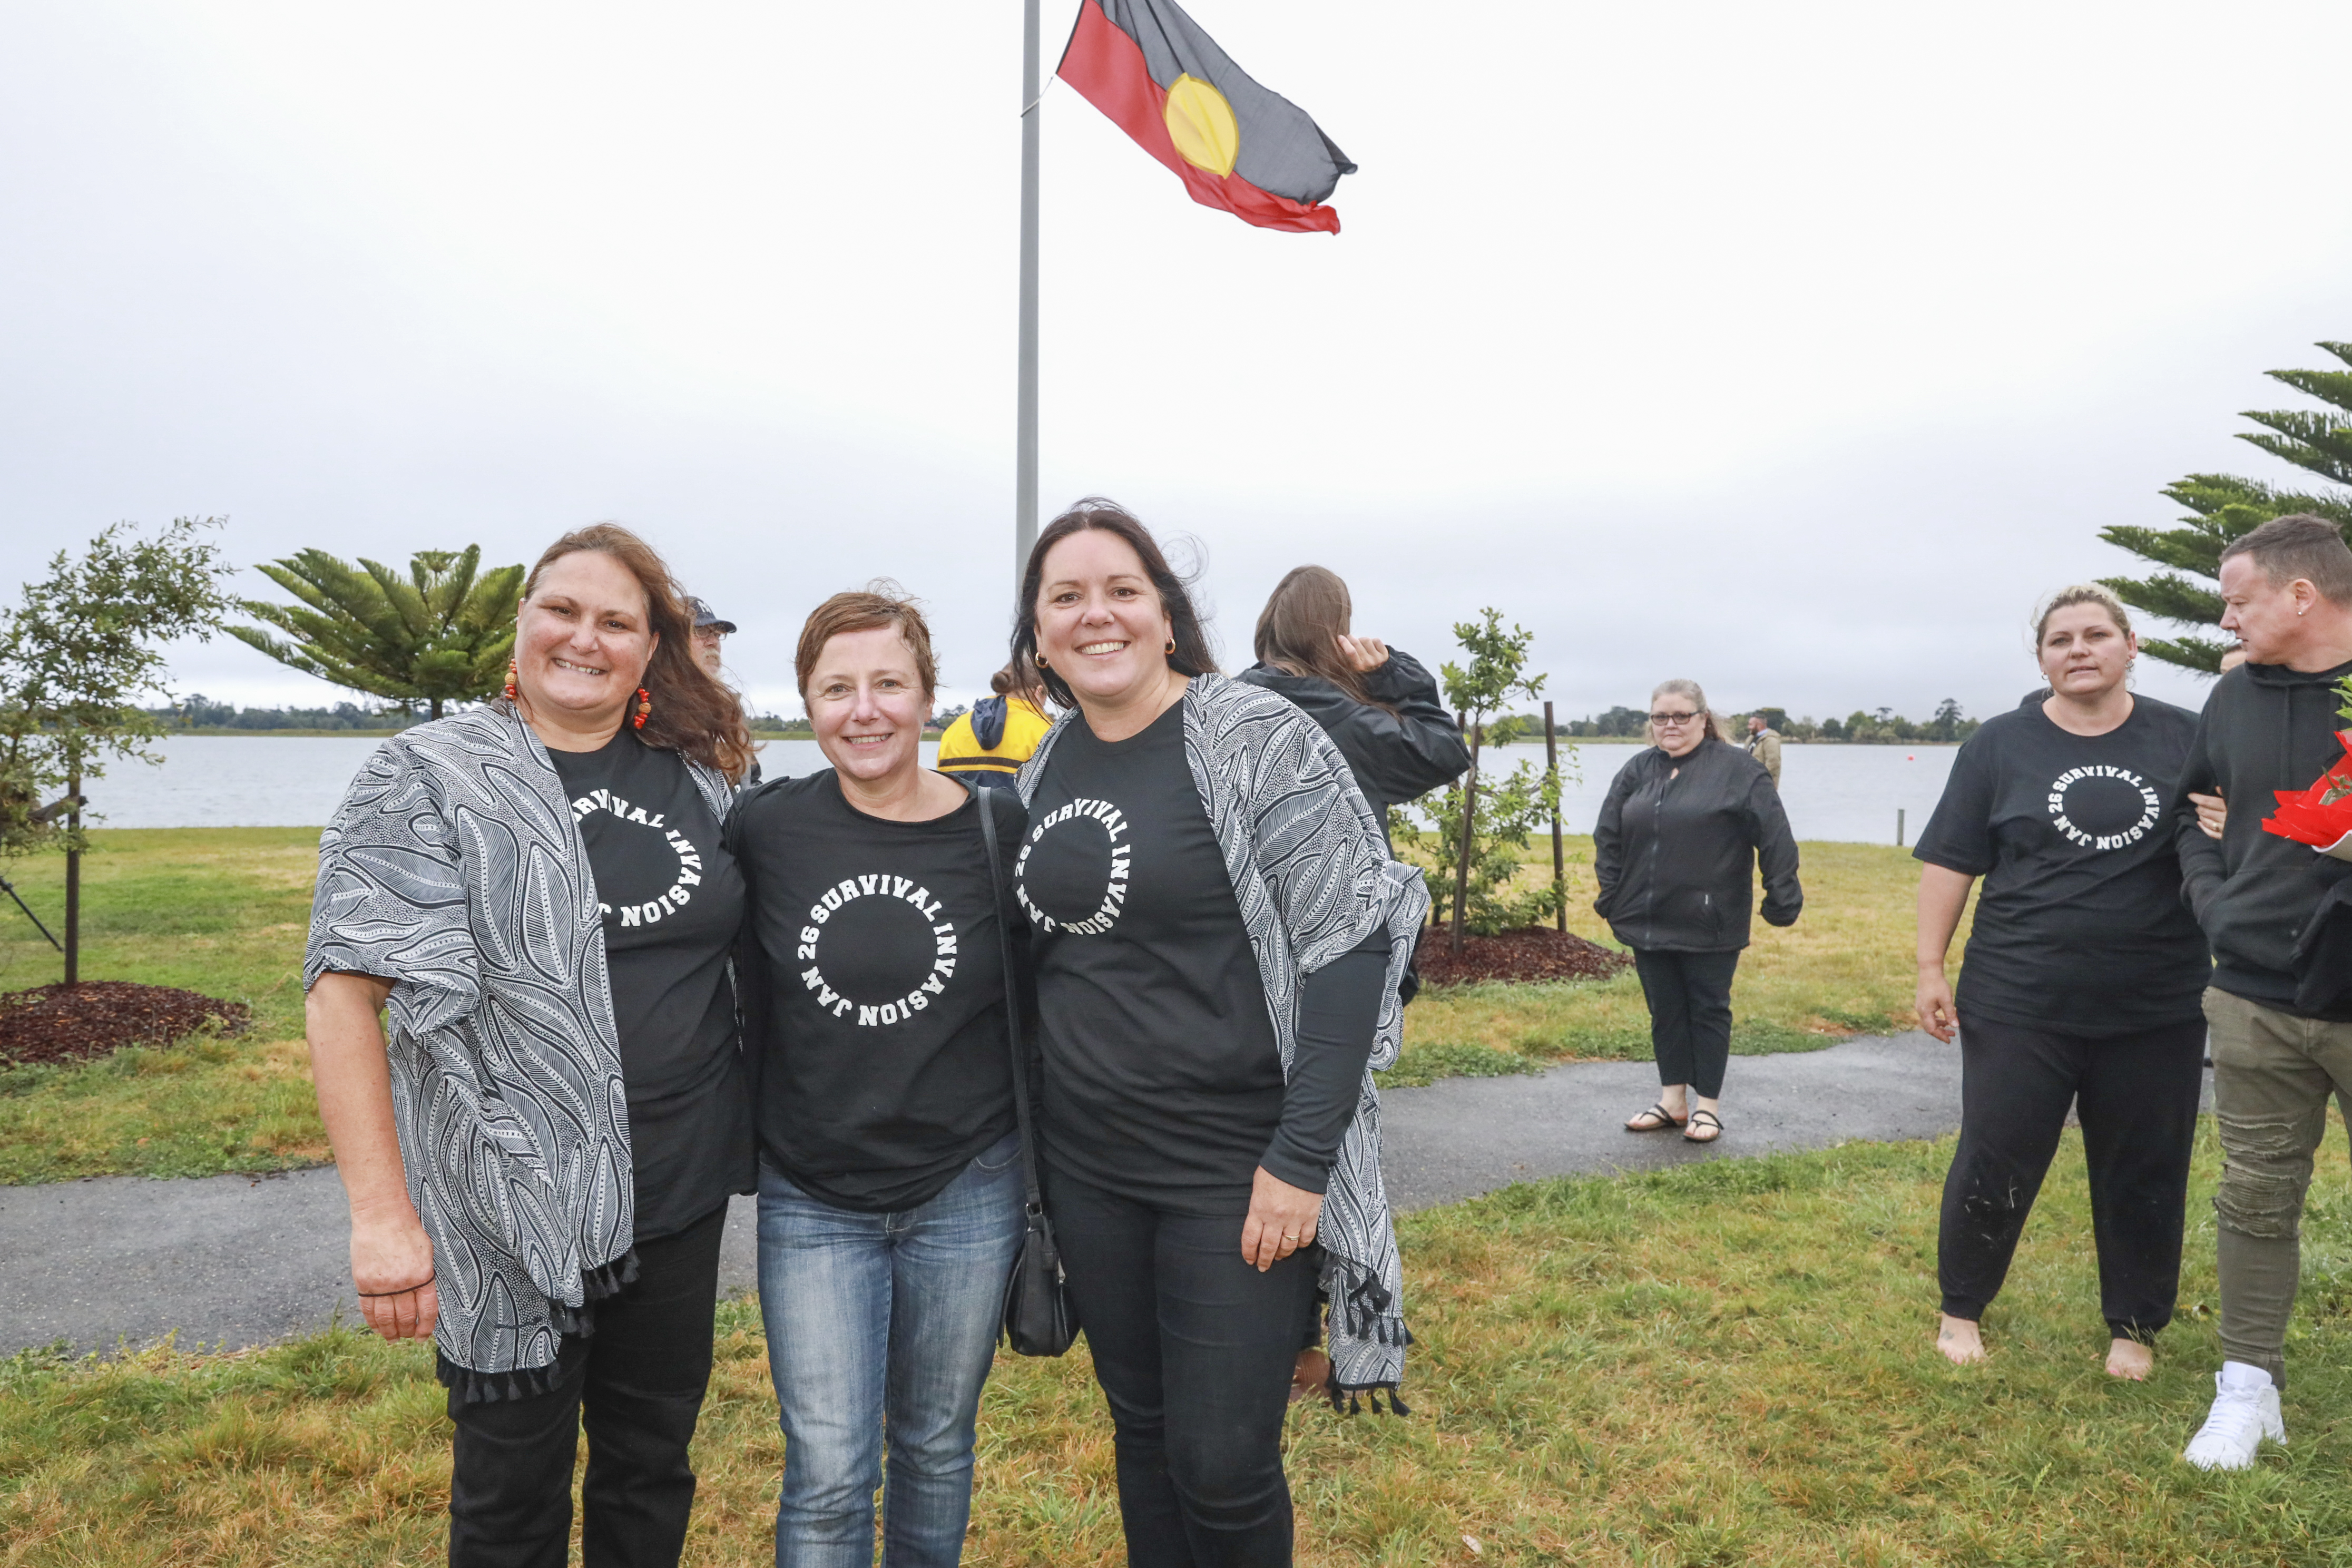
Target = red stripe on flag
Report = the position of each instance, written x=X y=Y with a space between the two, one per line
x=1107 y=68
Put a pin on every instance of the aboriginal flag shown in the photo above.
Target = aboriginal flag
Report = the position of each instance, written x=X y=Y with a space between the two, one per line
x=1236 y=145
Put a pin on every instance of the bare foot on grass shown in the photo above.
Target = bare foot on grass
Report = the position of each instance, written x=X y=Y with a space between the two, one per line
x=2131 y=1358
x=1959 y=1340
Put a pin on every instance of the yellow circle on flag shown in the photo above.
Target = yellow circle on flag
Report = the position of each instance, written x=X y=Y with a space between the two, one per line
x=1200 y=123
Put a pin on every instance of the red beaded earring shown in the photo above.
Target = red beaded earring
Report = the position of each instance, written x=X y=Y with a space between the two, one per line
x=645 y=706
x=511 y=673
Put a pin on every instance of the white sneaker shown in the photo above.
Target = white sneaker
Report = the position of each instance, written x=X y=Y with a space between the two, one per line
x=2246 y=1411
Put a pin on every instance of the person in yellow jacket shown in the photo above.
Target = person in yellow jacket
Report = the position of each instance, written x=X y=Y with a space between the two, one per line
x=989 y=744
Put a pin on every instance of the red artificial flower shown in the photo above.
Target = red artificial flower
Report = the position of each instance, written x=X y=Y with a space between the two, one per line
x=2322 y=815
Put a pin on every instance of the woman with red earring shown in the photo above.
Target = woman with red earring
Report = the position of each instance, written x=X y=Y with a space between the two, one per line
x=538 y=1162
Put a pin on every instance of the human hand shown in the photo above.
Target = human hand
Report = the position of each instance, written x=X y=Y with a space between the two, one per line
x=1936 y=1013
x=391 y=1268
x=1282 y=1219
x=1364 y=655
x=2212 y=813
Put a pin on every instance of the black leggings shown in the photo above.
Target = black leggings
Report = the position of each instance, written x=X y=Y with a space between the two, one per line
x=1690 y=1014
x=2136 y=1095
x=1193 y=1349
x=640 y=1377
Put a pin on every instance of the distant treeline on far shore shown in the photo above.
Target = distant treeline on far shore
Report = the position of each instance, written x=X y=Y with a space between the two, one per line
x=1885 y=727
x=200 y=715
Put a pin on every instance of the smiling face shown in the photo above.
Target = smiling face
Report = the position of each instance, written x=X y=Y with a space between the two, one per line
x=1099 y=620
x=2265 y=615
x=866 y=702
x=2085 y=655
x=582 y=640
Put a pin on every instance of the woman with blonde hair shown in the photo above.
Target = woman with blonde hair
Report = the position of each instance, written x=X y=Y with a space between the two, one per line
x=2084 y=982
x=1680 y=838
x=539 y=1161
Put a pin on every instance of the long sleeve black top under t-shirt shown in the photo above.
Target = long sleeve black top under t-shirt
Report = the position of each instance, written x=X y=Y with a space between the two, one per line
x=673 y=904
x=880 y=1033
x=1163 y=1077
x=2080 y=927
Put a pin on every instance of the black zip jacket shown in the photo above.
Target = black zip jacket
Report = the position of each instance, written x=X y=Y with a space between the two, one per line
x=1396 y=757
x=2264 y=728
x=1677 y=847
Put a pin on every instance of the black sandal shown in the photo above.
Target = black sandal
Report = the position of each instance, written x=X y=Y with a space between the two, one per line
x=1659 y=1117
x=1690 y=1133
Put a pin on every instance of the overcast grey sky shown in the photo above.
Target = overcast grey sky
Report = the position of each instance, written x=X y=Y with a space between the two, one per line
x=1795 y=348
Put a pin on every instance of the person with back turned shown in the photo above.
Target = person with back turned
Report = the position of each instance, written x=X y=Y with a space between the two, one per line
x=988 y=745
x=2281 y=1031
x=1380 y=707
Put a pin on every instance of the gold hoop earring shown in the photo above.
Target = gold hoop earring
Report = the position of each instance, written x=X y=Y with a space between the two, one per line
x=1041 y=662
x=1171 y=649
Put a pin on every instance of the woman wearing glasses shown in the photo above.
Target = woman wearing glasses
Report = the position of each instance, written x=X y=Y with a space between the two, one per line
x=1676 y=851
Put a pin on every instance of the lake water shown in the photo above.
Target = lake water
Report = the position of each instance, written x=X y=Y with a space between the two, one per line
x=1848 y=792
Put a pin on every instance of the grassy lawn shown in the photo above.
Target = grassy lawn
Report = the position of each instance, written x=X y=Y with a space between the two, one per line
x=224 y=911
x=1722 y=1363
x=1844 y=968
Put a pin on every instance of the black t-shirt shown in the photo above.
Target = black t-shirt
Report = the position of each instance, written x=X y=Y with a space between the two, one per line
x=1163 y=1078
x=2079 y=927
x=884 y=1065
x=672 y=903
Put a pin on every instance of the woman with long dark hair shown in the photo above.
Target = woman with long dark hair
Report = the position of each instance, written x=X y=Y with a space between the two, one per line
x=1686 y=824
x=1380 y=707
x=1219 y=934
x=539 y=1159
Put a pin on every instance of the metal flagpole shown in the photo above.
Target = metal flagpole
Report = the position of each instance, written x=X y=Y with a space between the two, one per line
x=1025 y=463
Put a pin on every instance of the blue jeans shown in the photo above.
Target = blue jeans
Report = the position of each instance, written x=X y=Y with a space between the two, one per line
x=876 y=1321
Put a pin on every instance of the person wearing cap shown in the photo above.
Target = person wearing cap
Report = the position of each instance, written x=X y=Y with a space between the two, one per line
x=989 y=744
x=709 y=631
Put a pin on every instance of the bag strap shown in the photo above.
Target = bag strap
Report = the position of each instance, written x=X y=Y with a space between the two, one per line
x=1014 y=1030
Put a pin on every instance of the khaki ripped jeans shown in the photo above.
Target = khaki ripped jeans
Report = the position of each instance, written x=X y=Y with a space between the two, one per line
x=2273 y=1075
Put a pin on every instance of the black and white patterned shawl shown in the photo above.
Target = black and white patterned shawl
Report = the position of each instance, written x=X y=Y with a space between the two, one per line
x=455 y=870
x=1312 y=875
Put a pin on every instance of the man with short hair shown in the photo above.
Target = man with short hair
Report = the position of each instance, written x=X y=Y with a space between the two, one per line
x=1764 y=745
x=709 y=631
x=2280 y=1043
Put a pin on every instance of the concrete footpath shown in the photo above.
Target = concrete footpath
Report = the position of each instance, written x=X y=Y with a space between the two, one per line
x=231 y=1262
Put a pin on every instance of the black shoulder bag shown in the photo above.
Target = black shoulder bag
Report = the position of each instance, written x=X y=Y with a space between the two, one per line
x=1037 y=1316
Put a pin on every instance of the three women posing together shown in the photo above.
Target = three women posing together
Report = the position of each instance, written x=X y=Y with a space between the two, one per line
x=572 y=919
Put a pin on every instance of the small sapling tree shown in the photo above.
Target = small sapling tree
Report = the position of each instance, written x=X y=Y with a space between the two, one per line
x=76 y=654
x=1481 y=829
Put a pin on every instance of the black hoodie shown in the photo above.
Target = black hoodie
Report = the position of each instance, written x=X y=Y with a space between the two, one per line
x=1396 y=757
x=2265 y=728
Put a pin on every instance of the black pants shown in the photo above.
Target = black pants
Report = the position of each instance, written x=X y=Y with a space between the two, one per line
x=2136 y=1095
x=1690 y=1014
x=639 y=1380
x=1193 y=1349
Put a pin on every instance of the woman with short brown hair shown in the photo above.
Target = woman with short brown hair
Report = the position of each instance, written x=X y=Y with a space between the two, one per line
x=890 y=1171
x=539 y=1161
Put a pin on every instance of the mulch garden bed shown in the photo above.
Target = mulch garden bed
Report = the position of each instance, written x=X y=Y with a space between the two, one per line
x=78 y=1023
x=1535 y=953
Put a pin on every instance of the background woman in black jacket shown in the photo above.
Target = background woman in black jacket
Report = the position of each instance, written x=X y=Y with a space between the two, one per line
x=1676 y=850
x=1380 y=707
